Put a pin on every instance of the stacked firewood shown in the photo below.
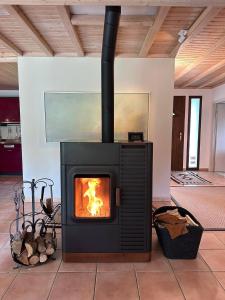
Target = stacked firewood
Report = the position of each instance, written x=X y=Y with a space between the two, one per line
x=31 y=249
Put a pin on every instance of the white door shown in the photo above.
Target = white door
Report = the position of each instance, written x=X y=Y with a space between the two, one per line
x=220 y=138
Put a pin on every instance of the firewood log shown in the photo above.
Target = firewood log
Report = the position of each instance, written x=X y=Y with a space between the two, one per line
x=41 y=244
x=31 y=247
x=49 y=242
x=49 y=205
x=43 y=257
x=23 y=258
x=34 y=259
x=17 y=242
x=17 y=246
x=50 y=249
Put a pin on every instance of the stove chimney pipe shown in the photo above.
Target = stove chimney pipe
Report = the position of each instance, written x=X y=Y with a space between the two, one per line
x=112 y=17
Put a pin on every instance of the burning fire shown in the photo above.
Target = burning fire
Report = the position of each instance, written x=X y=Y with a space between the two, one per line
x=94 y=203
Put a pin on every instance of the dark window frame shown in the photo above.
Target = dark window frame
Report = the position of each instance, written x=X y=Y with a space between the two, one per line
x=199 y=133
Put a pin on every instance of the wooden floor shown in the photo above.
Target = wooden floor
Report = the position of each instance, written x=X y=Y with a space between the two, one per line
x=160 y=279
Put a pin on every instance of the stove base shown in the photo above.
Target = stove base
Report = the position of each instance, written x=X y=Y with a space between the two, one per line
x=106 y=257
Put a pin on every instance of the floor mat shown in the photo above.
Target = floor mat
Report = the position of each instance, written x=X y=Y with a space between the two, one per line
x=207 y=204
x=188 y=178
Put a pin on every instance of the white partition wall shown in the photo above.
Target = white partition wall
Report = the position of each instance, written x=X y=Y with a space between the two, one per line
x=220 y=138
x=40 y=75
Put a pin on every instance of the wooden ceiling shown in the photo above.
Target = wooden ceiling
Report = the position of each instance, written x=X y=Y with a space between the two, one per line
x=148 y=28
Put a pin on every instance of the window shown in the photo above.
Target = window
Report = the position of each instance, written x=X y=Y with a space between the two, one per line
x=194 y=129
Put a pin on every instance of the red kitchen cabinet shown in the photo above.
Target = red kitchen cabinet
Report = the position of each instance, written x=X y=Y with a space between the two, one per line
x=10 y=159
x=9 y=110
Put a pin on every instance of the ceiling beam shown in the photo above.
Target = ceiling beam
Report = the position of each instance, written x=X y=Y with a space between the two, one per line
x=205 y=17
x=27 y=25
x=213 y=80
x=151 y=35
x=10 y=45
x=125 y=21
x=65 y=16
x=209 y=71
x=194 y=3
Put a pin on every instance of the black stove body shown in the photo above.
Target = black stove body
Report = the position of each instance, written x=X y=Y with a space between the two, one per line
x=124 y=234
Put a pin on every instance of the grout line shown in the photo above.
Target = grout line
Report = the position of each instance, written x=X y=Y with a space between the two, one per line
x=212 y=272
x=217 y=279
x=16 y=274
x=95 y=280
x=174 y=274
x=138 y=289
x=54 y=280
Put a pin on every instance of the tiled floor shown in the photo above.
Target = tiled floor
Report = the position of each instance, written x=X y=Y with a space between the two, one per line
x=161 y=279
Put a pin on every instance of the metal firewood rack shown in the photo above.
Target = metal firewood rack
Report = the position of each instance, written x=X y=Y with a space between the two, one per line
x=34 y=220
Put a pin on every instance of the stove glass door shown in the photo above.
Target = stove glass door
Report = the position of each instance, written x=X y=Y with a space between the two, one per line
x=92 y=196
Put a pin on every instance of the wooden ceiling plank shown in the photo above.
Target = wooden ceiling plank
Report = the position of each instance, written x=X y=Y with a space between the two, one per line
x=209 y=71
x=8 y=59
x=65 y=16
x=151 y=35
x=125 y=21
x=205 y=17
x=10 y=45
x=203 y=57
x=19 y=15
x=182 y=3
x=213 y=80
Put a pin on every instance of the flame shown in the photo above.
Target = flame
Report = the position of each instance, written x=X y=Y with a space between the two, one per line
x=94 y=203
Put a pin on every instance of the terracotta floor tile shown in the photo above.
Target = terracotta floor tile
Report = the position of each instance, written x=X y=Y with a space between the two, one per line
x=158 y=286
x=4 y=226
x=197 y=264
x=220 y=277
x=210 y=241
x=158 y=263
x=215 y=259
x=30 y=286
x=116 y=286
x=109 y=267
x=6 y=262
x=77 y=286
x=77 y=267
x=5 y=281
x=220 y=235
x=200 y=285
x=49 y=266
x=4 y=237
x=7 y=215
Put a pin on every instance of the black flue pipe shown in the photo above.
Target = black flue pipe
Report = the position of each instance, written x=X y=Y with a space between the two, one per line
x=112 y=17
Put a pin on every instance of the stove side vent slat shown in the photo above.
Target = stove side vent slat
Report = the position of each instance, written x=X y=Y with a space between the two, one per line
x=133 y=179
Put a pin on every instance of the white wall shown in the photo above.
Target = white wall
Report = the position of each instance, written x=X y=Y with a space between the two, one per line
x=218 y=96
x=37 y=75
x=9 y=93
x=206 y=125
x=219 y=93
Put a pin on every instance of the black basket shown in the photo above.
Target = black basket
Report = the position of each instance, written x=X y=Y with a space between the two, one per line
x=183 y=247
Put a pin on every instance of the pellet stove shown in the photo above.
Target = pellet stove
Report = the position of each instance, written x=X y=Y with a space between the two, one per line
x=106 y=187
